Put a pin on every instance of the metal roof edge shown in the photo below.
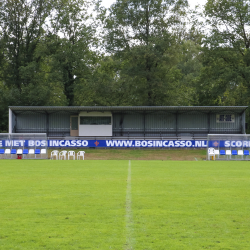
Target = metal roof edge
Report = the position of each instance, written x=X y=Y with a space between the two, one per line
x=127 y=106
x=123 y=108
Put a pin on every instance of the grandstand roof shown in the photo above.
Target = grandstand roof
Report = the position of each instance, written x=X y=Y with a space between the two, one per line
x=174 y=109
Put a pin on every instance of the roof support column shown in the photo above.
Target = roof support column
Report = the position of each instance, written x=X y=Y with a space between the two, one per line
x=243 y=122
x=144 y=126
x=47 y=123
x=10 y=121
x=176 y=124
x=121 y=123
x=208 y=122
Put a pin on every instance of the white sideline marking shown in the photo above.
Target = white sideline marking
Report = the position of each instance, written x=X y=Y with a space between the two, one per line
x=129 y=215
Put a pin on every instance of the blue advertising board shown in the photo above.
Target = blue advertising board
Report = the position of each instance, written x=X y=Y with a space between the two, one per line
x=229 y=144
x=128 y=143
x=106 y=143
x=124 y=143
x=23 y=143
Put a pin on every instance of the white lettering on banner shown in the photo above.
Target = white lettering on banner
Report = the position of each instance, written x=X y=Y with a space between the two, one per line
x=31 y=143
x=115 y=143
x=118 y=143
x=1 y=143
x=55 y=143
x=110 y=143
x=123 y=143
x=7 y=143
x=238 y=144
x=126 y=143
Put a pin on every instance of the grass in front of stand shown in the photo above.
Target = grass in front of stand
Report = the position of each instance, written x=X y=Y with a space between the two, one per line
x=121 y=205
x=143 y=154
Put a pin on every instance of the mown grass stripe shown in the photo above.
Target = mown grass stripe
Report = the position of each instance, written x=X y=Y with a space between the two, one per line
x=129 y=215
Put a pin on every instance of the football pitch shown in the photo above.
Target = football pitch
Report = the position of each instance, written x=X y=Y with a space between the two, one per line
x=124 y=205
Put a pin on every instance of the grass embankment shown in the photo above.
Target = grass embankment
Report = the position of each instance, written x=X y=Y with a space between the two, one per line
x=101 y=205
x=144 y=154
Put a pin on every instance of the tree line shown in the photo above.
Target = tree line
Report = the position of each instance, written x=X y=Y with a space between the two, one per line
x=137 y=52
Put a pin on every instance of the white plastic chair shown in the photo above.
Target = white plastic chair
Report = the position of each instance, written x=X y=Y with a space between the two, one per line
x=7 y=151
x=19 y=152
x=31 y=151
x=228 y=153
x=80 y=154
x=71 y=154
x=240 y=152
x=216 y=151
x=210 y=153
x=43 y=152
x=54 y=154
x=63 y=155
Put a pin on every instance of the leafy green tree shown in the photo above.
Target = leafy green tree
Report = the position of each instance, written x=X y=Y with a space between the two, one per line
x=141 y=35
x=225 y=75
x=73 y=58
x=46 y=48
x=226 y=55
x=22 y=26
x=106 y=87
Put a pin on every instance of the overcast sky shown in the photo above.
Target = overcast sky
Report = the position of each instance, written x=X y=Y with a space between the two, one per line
x=192 y=3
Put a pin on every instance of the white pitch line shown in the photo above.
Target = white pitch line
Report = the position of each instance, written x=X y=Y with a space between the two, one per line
x=129 y=215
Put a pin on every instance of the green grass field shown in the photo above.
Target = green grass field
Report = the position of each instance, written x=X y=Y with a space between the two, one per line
x=124 y=205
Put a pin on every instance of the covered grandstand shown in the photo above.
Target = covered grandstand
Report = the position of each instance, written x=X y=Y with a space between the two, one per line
x=127 y=121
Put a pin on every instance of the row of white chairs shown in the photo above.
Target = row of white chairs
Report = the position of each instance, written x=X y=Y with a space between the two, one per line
x=55 y=154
